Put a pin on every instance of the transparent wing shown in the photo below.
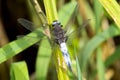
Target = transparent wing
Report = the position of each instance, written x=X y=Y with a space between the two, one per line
x=68 y=28
x=27 y=24
x=72 y=35
x=79 y=28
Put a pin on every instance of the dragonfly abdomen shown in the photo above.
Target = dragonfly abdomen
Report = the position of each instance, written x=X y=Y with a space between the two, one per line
x=65 y=53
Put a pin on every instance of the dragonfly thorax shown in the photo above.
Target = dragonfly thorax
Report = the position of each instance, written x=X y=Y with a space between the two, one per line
x=58 y=32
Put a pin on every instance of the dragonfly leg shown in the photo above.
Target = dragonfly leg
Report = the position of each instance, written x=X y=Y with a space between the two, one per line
x=56 y=41
x=66 y=38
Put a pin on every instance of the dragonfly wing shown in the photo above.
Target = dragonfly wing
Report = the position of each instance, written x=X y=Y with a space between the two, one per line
x=27 y=24
x=79 y=28
x=72 y=34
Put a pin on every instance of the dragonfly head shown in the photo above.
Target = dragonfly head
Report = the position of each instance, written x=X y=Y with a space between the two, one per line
x=56 y=23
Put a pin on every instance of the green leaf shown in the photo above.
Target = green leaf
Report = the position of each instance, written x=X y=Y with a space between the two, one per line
x=17 y=46
x=95 y=42
x=78 y=70
x=66 y=12
x=113 y=8
x=100 y=65
x=115 y=56
x=43 y=60
x=19 y=71
x=98 y=14
x=51 y=11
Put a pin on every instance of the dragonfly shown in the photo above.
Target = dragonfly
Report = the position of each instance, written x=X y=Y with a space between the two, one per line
x=59 y=37
x=59 y=34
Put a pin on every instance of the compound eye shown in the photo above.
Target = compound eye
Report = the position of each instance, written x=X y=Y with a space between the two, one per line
x=53 y=24
x=56 y=22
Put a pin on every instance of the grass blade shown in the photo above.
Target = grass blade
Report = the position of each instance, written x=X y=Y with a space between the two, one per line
x=88 y=50
x=100 y=65
x=18 y=71
x=17 y=46
x=51 y=11
x=98 y=14
x=113 y=9
x=78 y=69
x=66 y=12
x=115 y=56
x=43 y=60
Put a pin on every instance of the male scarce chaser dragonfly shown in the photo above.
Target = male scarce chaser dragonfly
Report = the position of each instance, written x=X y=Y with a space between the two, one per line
x=59 y=37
